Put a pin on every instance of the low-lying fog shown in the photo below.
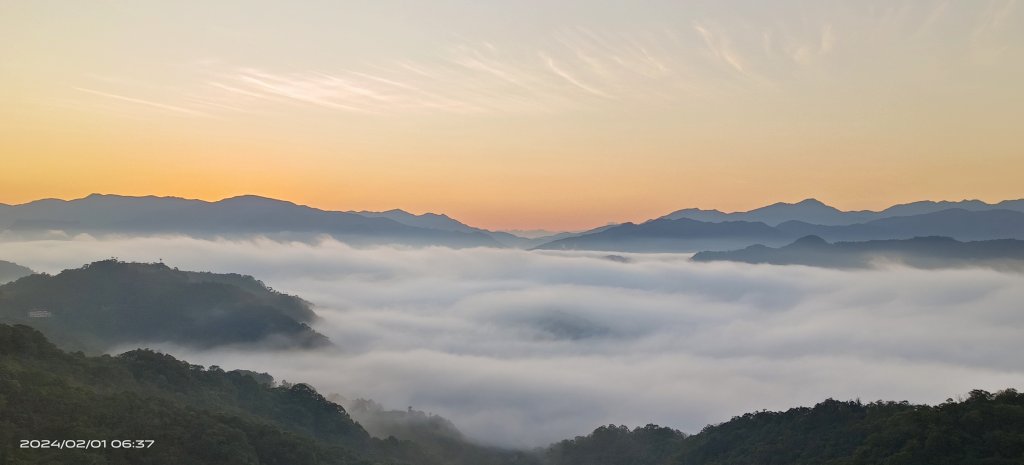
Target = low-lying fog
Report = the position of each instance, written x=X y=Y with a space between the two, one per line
x=522 y=348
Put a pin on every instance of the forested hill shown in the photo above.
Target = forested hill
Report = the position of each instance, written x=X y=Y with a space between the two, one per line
x=110 y=303
x=194 y=415
x=200 y=415
x=982 y=429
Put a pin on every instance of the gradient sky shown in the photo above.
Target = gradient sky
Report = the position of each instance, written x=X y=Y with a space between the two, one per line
x=525 y=114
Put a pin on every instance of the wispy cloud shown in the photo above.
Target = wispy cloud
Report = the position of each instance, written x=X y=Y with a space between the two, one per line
x=934 y=15
x=706 y=57
x=568 y=77
x=995 y=17
x=316 y=89
x=149 y=103
x=720 y=46
x=991 y=24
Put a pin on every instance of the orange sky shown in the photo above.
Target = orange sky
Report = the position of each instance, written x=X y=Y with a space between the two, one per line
x=515 y=115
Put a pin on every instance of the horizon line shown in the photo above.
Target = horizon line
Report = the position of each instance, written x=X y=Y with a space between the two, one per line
x=441 y=213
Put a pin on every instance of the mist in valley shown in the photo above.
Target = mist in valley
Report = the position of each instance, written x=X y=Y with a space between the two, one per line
x=522 y=348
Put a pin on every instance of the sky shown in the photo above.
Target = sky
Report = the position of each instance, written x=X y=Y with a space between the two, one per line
x=524 y=348
x=515 y=115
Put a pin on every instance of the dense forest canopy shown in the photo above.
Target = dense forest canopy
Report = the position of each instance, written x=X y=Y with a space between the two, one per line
x=203 y=415
x=195 y=414
x=109 y=303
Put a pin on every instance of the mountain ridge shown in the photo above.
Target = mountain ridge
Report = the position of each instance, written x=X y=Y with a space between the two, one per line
x=930 y=252
x=239 y=215
x=814 y=211
x=957 y=223
x=249 y=214
x=665 y=235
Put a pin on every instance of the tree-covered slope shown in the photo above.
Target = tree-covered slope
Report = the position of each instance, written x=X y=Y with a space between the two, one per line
x=193 y=414
x=206 y=415
x=982 y=429
x=618 y=445
x=109 y=303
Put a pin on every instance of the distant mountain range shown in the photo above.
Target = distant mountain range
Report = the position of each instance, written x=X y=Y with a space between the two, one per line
x=106 y=304
x=815 y=212
x=688 y=235
x=956 y=223
x=918 y=252
x=687 y=230
x=244 y=215
x=443 y=222
x=665 y=235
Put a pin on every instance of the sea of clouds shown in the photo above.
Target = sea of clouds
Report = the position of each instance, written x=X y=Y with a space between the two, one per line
x=522 y=348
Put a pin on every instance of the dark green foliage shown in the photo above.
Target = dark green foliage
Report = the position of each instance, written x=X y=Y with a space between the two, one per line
x=108 y=303
x=201 y=415
x=829 y=431
x=618 y=445
x=196 y=415
x=983 y=429
x=290 y=305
